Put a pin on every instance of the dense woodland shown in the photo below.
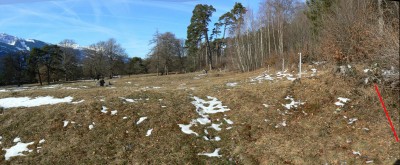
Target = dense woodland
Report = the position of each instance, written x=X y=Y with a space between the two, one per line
x=339 y=32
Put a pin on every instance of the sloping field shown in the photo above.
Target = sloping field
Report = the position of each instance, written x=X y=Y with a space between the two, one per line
x=219 y=118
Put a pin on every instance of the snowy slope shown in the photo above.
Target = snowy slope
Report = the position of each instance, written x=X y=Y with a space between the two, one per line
x=9 y=44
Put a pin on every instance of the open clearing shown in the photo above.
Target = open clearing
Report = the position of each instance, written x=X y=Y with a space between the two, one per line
x=219 y=118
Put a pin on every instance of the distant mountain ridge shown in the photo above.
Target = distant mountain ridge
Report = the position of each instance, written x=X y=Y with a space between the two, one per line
x=9 y=44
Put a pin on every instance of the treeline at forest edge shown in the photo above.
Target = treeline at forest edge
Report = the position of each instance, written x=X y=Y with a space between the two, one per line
x=339 y=32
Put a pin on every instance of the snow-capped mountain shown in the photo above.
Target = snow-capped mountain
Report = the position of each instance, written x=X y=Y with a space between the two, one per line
x=9 y=44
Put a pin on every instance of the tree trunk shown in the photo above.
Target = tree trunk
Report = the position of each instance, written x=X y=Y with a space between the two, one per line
x=48 y=75
x=40 y=77
x=208 y=50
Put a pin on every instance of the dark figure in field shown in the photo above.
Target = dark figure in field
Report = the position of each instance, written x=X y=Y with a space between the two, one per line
x=102 y=82
x=109 y=83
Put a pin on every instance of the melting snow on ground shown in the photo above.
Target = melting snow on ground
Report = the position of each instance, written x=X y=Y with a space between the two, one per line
x=341 y=101
x=279 y=75
x=283 y=124
x=233 y=84
x=352 y=120
x=77 y=102
x=314 y=72
x=357 y=153
x=216 y=126
x=262 y=77
x=17 y=149
x=149 y=132
x=141 y=120
x=228 y=121
x=65 y=123
x=104 y=109
x=213 y=154
x=114 y=112
x=205 y=109
x=292 y=104
x=186 y=129
x=214 y=106
x=129 y=100
x=91 y=126
x=13 y=102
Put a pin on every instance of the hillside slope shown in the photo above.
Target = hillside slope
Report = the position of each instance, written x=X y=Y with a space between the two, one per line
x=244 y=118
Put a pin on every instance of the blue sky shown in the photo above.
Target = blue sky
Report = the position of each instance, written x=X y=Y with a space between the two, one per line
x=131 y=22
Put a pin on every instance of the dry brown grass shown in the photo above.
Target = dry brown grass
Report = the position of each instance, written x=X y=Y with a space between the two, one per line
x=316 y=138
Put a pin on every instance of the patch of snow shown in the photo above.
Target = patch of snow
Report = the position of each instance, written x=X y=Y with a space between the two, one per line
x=41 y=141
x=213 y=154
x=128 y=100
x=314 y=72
x=319 y=62
x=102 y=100
x=366 y=129
x=91 y=126
x=262 y=77
x=104 y=109
x=291 y=78
x=13 y=102
x=203 y=120
x=344 y=100
x=65 y=123
x=369 y=161
x=339 y=104
x=17 y=150
x=357 y=153
x=77 y=102
x=281 y=124
x=71 y=88
x=366 y=70
x=129 y=82
x=352 y=120
x=30 y=40
x=125 y=117
x=232 y=84
x=292 y=104
x=266 y=105
x=17 y=139
x=214 y=106
x=149 y=132
x=114 y=112
x=217 y=138
x=216 y=126
x=4 y=90
x=163 y=106
x=186 y=129
x=141 y=120
x=228 y=121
